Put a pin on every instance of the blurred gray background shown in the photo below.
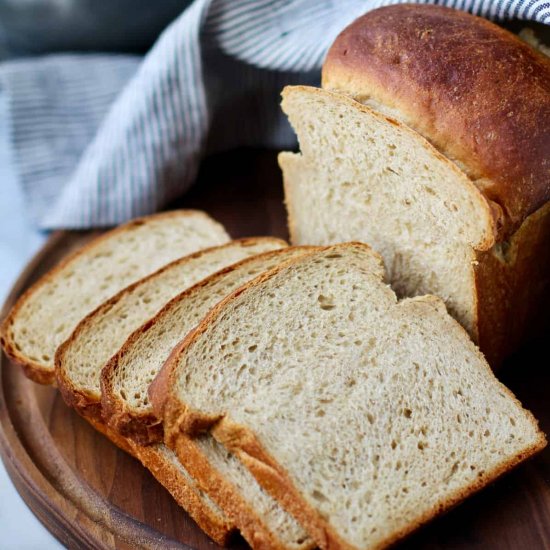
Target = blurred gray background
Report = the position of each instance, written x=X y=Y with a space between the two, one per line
x=33 y=27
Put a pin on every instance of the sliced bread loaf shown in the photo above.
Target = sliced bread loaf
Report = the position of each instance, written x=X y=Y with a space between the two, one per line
x=263 y=523
x=79 y=360
x=128 y=374
x=440 y=163
x=363 y=415
x=48 y=312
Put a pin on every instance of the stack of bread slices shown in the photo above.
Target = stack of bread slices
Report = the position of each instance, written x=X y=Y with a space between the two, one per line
x=285 y=392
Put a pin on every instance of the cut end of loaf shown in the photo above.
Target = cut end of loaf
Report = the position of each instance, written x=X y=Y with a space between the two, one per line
x=362 y=175
x=382 y=144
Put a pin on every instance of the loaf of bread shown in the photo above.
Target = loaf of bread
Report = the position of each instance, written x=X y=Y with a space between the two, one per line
x=291 y=393
x=433 y=147
x=363 y=415
x=48 y=312
x=125 y=379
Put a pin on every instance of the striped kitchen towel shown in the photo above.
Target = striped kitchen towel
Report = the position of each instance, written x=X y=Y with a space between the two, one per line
x=100 y=139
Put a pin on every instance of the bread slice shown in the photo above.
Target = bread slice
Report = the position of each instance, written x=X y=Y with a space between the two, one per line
x=363 y=175
x=79 y=360
x=164 y=466
x=100 y=334
x=259 y=518
x=47 y=313
x=364 y=416
x=128 y=374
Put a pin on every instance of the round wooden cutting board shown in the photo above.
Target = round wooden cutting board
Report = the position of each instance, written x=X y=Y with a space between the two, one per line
x=90 y=494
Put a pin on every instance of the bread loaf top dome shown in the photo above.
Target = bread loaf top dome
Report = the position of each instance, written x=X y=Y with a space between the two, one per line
x=475 y=90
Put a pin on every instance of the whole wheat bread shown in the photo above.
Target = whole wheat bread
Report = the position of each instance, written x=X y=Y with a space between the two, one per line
x=100 y=334
x=79 y=360
x=128 y=374
x=439 y=161
x=365 y=416
x=34 y=328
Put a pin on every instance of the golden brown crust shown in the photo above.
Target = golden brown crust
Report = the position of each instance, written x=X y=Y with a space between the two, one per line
x=479 y=93
x=251 y=526
x=513 y=289
x=218 y=528
x=88 y=403
x=181 y=421
x=32 y=369
x=215 y=526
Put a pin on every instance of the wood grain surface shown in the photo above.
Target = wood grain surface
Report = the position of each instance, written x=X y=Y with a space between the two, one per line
x=90 y=494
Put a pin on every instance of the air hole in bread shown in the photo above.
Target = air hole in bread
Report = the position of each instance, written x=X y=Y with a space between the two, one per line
x=318 y=495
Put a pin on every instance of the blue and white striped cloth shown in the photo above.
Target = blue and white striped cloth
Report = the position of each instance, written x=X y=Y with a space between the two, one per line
x=98 y=139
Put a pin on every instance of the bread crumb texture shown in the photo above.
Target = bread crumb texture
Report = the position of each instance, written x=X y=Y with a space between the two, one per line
x=380 y=412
